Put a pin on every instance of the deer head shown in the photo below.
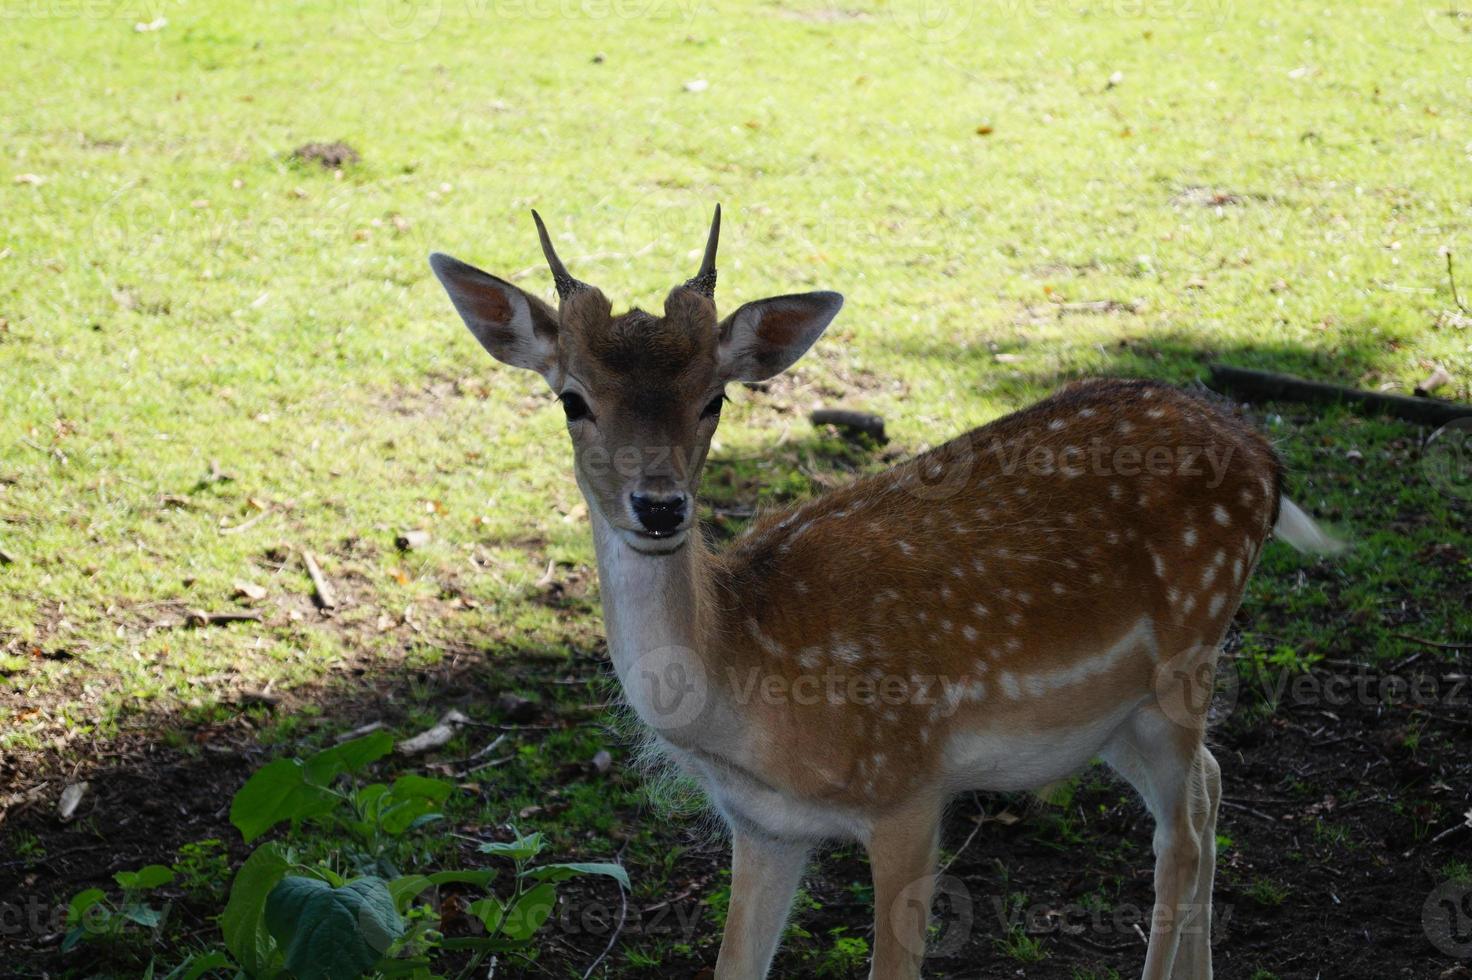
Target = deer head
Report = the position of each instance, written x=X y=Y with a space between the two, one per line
x=642 y=393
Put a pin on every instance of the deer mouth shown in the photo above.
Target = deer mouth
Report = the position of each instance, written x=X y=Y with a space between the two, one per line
x=656 y=544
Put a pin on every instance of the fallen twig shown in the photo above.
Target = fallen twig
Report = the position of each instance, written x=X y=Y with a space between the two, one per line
x=1247 y=809
x=1432 y=643
x=198 y=617
x=325 y=597
x=623 y=911
x=247 y=525
x=434 y=737
x=6 y=558
x=980 y=821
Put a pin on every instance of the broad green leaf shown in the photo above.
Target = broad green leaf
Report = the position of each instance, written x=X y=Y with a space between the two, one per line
x=277 y=791
x=329 y=933
x=489 y=911
x=529 y=912
x=410 y=785
x=351 y=756
x=81 y=904
x=523 y=848
x=562 y=872
x=406 y=888
x=243 y=922
x=150 y=877
x=480 y=878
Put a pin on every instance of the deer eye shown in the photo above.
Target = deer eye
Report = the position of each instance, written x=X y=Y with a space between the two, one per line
x=574 y=406
x=713 y=409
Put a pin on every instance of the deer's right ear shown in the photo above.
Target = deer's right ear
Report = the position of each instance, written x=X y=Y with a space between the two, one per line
x=515 y=327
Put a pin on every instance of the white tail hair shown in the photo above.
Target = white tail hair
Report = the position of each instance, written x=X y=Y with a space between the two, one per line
x=1299 y=530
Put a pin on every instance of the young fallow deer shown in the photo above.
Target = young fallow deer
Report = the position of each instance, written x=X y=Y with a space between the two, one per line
x=992 y=614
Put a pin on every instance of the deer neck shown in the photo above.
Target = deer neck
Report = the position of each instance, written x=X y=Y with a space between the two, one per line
x=658 y=621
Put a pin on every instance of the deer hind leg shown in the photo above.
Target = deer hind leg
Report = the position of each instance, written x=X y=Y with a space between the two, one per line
x=903 y=849
x=1168 y=765
x=765 y=873
x=1194 y=961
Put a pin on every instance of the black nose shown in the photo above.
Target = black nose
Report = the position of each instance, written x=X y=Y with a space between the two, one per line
x=659 y=515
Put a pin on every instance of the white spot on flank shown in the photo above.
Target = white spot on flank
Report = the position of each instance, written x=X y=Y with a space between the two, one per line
x=979 y=565
x=1188 y=605
x=1189 y=538
x=1208 y=576
x=1086 y=413
x=906 y=548
x=980 y=610
x=1125 y=427
x=1220 y=514
x=1014 y=618
x=1215 y=606
x=1056 y=425
x=1059 y=588
x=1159 y=564
x=1237 y=567
x=969 y=632
x=1116 y=492
x=1021 y=491
x=1155 y=413
x=1009 y=686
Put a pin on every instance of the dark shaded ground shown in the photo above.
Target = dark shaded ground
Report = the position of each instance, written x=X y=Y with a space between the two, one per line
x=1344 y=834
x=1336 y=814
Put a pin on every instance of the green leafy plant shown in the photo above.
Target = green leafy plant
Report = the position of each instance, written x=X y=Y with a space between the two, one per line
x=92 y=915
x=845 y=958
x=321 y=925
x=202 y=867
x=330 y=902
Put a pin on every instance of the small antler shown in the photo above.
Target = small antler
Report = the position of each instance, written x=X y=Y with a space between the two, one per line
x=704 y=282
x=565 y=283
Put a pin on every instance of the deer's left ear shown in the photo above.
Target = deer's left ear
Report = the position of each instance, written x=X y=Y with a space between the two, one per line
x=764 y=338
x=516 y=327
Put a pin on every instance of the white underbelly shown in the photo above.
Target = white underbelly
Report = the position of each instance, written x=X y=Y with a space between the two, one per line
x=996 y=760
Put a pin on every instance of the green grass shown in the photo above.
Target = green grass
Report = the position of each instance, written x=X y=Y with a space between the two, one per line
x=1265 y=183
x=177 y=291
